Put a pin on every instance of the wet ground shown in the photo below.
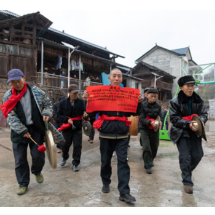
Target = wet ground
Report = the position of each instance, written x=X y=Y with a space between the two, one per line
x=62 y=187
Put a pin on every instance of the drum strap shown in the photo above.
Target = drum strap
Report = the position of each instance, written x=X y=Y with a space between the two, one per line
x=98 y=123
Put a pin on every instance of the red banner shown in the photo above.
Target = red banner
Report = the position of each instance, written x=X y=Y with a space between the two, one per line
x=112 y=98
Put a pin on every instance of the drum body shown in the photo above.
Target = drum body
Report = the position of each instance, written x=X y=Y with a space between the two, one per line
x=133 y=128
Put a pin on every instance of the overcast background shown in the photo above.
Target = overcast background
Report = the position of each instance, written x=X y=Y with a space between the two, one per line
x=132 y=33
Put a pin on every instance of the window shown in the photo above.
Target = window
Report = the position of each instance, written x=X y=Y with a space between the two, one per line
x=136 y=85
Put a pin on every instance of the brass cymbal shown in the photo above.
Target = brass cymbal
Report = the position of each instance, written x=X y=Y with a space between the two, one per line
x=51 y=149
x=157 y=124
x=198 y=125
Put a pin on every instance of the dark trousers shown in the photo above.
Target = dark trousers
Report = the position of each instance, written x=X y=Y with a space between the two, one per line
x=75 y=138
x=58 y=125
x=107 y=147
x=92 y=134
x=167 y=125
x=150 y=142
x=190 y=154
x=20 y=155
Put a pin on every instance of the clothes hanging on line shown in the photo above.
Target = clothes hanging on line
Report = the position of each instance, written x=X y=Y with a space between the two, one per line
x=59 y=62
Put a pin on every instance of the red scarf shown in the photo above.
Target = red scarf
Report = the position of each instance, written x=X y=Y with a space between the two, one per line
x=67 y=125
x=98 y=123
x=152 y=120
x=10 y=104
x=189 y=117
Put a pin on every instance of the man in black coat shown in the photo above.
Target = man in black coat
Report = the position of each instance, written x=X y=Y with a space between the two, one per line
x=71 y=108
x=56 y=121
x=150 y=109
x=113 y=136
x=182 y=131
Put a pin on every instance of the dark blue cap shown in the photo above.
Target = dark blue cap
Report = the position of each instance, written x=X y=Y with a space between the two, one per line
x=14 y=75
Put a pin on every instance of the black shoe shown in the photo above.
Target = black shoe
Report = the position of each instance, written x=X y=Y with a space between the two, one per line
x=106 y=189
x=149 y=171
x=63 y=162
x=75 y=168
x=127 y=198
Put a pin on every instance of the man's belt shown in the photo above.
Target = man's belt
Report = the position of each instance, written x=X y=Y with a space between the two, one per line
x=98 y=123
x=67 y=125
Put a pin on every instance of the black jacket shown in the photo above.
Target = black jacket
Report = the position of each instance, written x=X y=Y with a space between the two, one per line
x=150 y=110
x=114 y=128
x=66 y=110
x=178 y=109
x=36 y=118
x=55 y=107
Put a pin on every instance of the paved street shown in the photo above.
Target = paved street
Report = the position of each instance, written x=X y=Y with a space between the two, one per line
x=62 y=187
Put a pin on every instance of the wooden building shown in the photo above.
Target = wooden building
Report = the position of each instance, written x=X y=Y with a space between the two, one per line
x=155 y=78
x=29 y=43
x=41 y=52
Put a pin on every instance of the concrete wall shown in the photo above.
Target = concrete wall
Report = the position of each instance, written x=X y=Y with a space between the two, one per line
x=133 y=81
x=167 y=62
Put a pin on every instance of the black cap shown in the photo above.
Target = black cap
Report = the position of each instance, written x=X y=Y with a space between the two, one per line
x=146 y=89
x=186 y=80
x=152 y=91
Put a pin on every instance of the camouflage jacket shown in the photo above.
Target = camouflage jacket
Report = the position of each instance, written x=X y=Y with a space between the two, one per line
x=43 y=103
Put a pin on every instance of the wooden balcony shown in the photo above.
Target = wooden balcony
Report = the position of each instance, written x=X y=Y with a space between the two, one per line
x=163 y=85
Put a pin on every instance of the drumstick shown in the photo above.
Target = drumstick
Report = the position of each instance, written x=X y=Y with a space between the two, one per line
x=33 y=141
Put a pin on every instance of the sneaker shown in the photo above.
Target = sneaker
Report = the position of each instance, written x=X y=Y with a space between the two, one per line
x=149 y=171
x=59 y=150
x=63 y=162
x=22 y=190
x=127 y=198
x=75 y=168
x=188 y=189
x=106 y=188
x=39 y=178
x=91 y=141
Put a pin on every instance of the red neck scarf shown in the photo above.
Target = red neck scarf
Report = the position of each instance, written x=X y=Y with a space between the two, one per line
x=10 y=104
x=98 y=123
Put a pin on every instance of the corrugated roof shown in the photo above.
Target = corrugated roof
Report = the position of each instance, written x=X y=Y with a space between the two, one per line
x=69 y=36
x=10 y=13
x=181 y=51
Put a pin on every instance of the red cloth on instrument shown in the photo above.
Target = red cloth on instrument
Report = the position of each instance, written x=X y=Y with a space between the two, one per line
x=41 y=148
x=189 y=117
x=67 y=125
x=152 y=120
x=98 y=123
x=10 y=104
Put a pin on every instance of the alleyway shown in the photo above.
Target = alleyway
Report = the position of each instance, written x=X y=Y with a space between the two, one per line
x=62 y=187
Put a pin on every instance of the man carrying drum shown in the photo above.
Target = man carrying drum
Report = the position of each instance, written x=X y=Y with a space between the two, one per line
x=26 y=108
x=114 y=137
x=70 y=113
x=183 y=109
